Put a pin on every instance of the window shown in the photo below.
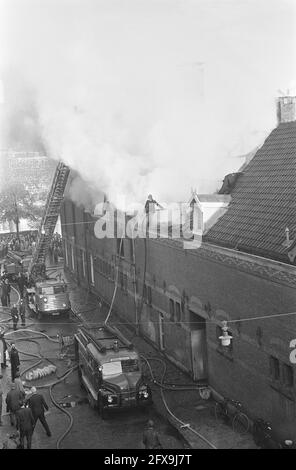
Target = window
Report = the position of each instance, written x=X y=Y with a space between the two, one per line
x=92 y=275
x=178 y=312
x=274 y=367
x=130 y=365
x=51 y=290
x=83 y=263
x=288 y=375
x=172 y=310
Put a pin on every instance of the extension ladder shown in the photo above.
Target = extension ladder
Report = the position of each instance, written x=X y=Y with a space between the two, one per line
x=50 y=217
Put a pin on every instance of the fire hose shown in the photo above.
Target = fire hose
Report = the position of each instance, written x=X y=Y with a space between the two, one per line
x=49 y=385
x=162 y=387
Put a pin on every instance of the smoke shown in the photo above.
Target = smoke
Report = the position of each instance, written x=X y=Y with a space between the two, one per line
x=133 y=95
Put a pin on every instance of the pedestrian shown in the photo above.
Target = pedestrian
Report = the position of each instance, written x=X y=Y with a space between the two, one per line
x=3 y=293
x=3 y=349
x=25 y=425
x=150 y=437
x=14 y=316
x=22 y=312
x=13 y=403
x=1 y=399
x=19 y=385
x=7 y=289
x=14 y=361
x=37 y=404
x=21 y=281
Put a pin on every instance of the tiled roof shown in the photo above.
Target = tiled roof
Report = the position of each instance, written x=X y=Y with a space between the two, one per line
x=264 y=200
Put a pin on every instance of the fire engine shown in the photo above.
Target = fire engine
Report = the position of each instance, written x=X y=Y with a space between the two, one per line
x=109 y=368
x=49 y=297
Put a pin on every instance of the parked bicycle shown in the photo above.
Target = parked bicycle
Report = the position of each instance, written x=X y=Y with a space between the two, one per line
x=236 y=418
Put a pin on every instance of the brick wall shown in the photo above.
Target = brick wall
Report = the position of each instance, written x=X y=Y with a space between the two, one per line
x=205 y=289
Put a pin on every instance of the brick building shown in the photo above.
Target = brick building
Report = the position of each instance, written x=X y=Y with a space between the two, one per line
x=32 y=169
x=243 y=272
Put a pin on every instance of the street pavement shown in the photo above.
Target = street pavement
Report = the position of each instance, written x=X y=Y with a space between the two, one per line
x=186 y=405
x=124 y=429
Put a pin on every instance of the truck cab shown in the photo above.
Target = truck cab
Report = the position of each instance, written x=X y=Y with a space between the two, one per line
x=110 y=370
x=49 y=297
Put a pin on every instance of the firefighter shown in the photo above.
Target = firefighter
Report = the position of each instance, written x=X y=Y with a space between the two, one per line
x=22 y=312
x=150 y=205
x=14 y=316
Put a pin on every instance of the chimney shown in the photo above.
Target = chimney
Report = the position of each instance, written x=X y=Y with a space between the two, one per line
x=286 y=109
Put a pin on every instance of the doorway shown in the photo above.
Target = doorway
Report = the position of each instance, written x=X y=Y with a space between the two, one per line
x=198 y=346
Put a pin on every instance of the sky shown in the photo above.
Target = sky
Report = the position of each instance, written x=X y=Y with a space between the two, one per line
x=144 y=96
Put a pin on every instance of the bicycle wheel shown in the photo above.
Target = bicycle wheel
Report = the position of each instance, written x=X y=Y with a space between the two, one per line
x=240 y=423
x=219 y=412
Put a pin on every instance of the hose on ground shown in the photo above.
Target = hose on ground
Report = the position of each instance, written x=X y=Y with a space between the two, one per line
x=49 y=385
x=182 y=423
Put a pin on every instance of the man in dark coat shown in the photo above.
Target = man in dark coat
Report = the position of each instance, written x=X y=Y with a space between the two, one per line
x=13 y=403
x=3 y=349
x=6 y=289
x=22 y=312
x=37 y=404
x=150 y=437
x=14 y=361
x=21 y=281
x=14 y=316
x=25 y=425
x=4 y=299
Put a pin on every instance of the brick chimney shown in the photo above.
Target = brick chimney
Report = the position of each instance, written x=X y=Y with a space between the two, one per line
x=286 y=109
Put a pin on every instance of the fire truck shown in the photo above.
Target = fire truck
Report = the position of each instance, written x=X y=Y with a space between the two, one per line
x=109 y=368
x=49 y=297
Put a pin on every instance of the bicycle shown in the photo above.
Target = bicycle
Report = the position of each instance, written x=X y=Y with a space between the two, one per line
x=239 y=420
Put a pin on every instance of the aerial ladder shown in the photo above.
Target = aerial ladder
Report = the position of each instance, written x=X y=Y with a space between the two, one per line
x=49 y=220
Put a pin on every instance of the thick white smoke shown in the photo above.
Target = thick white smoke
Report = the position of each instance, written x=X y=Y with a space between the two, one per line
x=145 y=96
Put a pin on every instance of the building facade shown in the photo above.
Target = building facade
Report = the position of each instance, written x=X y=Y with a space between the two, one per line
x=242 y=273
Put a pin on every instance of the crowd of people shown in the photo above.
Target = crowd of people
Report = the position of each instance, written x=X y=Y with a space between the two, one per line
x=24 y=408
x=56 y=248
x=24 y=242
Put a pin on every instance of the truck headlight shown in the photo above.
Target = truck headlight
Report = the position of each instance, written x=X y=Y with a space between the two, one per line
x=45 y=299
x=143 y=391
x=64 y=305
x=110 y=399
